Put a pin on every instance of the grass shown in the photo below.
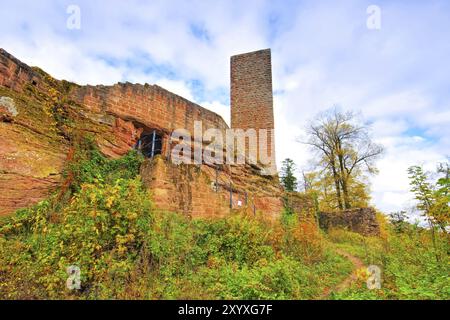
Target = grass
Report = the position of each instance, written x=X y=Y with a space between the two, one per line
x=412 y=267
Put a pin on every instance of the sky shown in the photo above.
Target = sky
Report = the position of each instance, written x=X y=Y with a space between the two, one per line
x=390 y=65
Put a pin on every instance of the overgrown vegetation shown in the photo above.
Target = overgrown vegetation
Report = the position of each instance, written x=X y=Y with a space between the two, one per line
x=407 y=259
x=104 y=223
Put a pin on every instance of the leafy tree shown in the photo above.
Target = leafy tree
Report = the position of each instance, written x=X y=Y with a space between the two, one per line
x=320 y=184
x=399 y=220
x=433 y=199
x=346 y=153
x=288 y=179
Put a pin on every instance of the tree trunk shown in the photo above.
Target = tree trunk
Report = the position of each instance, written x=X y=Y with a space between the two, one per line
x=338 y=186
x=343 y=177
x=347 y=204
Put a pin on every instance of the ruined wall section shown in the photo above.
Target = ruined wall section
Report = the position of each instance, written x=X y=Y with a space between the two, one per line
x=360 y=220
x=150 y=105
x=15 y=75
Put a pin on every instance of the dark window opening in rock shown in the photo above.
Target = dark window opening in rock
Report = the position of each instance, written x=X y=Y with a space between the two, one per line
x=150 y=144
x=34 y=83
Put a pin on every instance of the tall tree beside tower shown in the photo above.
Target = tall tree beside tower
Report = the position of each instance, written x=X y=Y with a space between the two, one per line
x=287 y=176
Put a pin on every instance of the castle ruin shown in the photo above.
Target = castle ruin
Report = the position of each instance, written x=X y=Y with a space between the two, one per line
x=126 y=116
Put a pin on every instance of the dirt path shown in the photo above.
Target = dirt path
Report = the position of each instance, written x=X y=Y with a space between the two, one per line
x=357 y=264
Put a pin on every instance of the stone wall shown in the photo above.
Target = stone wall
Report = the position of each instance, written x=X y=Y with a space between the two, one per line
x=149 y=105
x=202 y=191
x=360 y=220
x=252 y=96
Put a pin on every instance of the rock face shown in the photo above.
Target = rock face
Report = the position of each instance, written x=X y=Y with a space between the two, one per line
x=37 y=118
x=360 y=220
x=31 y=153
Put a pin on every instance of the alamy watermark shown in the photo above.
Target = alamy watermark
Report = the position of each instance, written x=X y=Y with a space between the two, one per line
x=374 y=279
x=73 y=22
x=224 y=146
x=374 y=19
x=74 y=278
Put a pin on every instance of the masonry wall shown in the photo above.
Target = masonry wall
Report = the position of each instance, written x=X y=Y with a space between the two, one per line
x=251 y=95
x=192 y=190
x=15 y=75
x=360 y=220
x=150 y=105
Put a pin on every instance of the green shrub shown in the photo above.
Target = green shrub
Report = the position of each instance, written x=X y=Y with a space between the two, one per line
x=90 y=166
x=235 y=238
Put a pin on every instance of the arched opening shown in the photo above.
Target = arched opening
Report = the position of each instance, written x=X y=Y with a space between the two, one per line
x=150 y=143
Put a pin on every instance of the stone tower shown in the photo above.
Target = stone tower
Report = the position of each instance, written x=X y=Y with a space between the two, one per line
x=252 y=101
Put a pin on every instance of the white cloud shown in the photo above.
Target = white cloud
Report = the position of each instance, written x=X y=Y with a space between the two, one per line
x=219 y=108
x=178 y=87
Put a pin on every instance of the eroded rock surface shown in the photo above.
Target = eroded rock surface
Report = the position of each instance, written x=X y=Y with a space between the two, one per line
x=37 y=118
